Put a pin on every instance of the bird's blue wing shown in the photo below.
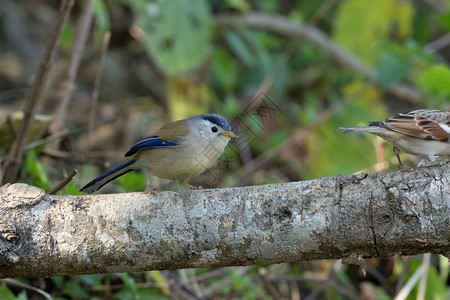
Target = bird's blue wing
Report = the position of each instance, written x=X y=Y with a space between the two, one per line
x=148 y=143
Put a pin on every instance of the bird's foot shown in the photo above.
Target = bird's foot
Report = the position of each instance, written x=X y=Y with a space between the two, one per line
x=191 y=187
x=150 y=190
x=196 y=187
x=431 y=160
x=401 y=166
x=427 y=161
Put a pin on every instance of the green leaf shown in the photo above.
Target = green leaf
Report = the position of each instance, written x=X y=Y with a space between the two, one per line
x=22 y=296
x=6 y=294
x=141 y=293
x=435 y=287
x=444 y=19
x=67 y=35
x=102 y=22
x=362 y=25
x=130 y=284
x=392 y=69
x=90 y=279
x=58 y=281
x=240 y=48
x=435 y=79
x=132 y=182
x=71 y=189
x=39 y=174
x=240 y=5
x=230 y=105
x=238 y=281
x=74 y=290
x=176 y=33
x=224 y=69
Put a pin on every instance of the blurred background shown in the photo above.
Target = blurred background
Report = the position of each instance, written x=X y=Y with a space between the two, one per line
x=284 y=73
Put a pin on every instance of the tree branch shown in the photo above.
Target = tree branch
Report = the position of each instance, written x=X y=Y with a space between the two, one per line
x=383 y=214
x=284 y=26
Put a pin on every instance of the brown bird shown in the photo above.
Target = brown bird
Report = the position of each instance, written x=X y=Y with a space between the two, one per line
x=423 y=132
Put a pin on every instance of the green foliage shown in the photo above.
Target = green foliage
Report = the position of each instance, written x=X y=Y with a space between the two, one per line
x=132 y=181
x=67 y=36
x=58 y=281
x=90 y=279
x=242 y=284
x=140 y=293
x=224 y=69
x=444 y=19
x=102 y=22
x=130 y=284
x=356 y=151
x=176 y=33
x=392 y=69
x=241 y=5
x=133 y=292
x=435 y=79
x=72 y=289
x=435 y=288
x=35 y=172
x=362 y=34
x=6 y=294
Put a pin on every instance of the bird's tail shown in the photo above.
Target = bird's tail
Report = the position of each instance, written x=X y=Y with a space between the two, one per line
x=369 y=129
x=106 y=177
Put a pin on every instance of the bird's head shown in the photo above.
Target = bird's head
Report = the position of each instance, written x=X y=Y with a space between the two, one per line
x=211 y=128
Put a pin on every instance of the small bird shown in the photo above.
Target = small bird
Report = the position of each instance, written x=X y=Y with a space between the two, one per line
x=420 y=132
x=178 y=151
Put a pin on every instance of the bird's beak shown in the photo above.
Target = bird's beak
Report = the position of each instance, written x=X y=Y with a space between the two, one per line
x=230 y=135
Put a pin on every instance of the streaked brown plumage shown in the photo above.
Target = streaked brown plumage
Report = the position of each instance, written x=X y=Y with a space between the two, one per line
x=420 y=132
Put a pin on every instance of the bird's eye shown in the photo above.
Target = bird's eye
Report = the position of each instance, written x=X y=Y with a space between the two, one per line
x=214 y=129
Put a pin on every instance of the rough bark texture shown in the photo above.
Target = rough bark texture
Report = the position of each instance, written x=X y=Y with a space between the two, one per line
x=382 y=214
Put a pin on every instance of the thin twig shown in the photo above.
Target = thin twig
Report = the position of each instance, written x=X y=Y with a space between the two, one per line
x=402 y=275
x=13 y=282
x=268 y=285
x=330 y=282
x=423 y=280
x=83 y=27
x=11 y=126
x=16 y=153
x=96 y=89
x=439 y=43
x=418 y=274
x=223 y=282
x=320 y=286
x=47 y=139
x=62 y=183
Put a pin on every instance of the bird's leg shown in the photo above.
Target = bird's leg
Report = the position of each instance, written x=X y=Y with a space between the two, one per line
x=147 y=185
x=187 y=185
x=397 y=154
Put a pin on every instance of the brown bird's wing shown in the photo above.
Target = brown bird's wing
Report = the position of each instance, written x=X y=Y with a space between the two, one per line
x=425 y=124
x=173 y=131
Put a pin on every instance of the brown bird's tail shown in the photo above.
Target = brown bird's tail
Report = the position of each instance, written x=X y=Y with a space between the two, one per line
x=368 y=129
